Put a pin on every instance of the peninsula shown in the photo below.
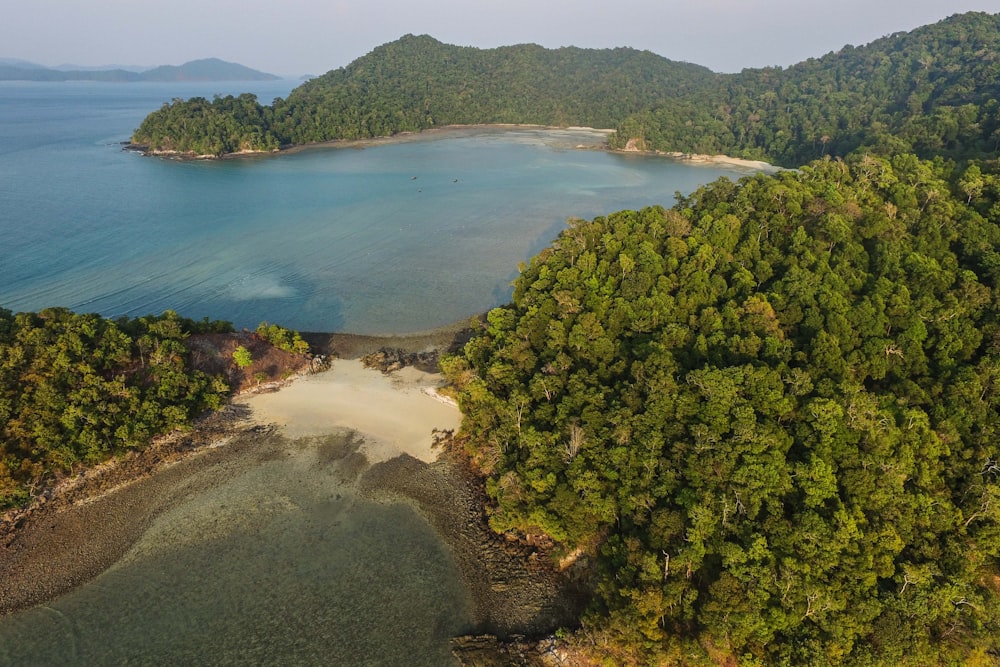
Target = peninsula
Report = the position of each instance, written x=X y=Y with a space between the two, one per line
x=919 y=92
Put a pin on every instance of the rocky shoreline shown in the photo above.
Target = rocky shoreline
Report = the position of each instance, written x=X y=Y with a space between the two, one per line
x=85 y=524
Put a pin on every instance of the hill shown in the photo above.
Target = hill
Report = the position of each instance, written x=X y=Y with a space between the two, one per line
x=417 y=82
x=210 y=69
x=931 y=91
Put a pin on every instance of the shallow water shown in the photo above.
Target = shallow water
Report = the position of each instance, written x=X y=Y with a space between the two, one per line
x=273 y=560
x=392 y=238
x=277 y=561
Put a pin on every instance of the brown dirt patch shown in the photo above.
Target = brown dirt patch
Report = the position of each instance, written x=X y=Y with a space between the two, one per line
x=213 y=354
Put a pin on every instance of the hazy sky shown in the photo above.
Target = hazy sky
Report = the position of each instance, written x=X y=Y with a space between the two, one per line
x=294 y=37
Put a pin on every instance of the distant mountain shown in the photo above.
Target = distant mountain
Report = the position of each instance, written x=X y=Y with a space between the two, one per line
x=209 y=69
x=17 y=62
x=70 y=67
x=38 y=73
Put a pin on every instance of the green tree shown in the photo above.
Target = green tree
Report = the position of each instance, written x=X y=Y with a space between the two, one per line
x=242 y=357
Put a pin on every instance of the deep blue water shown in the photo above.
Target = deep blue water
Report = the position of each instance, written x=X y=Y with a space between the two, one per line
x=392 y=238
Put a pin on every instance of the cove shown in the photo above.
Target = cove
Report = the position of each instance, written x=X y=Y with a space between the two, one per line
x=395 y=238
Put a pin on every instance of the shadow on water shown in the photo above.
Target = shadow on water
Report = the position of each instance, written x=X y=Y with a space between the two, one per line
x=514 y=593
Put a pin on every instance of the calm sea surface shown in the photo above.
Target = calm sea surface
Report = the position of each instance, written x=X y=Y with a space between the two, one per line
x=392 y=238
x=268 y=563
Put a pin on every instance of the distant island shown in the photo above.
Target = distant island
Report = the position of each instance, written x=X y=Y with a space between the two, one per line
x=207 y=69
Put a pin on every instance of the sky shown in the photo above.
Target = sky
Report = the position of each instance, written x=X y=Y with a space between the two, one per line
x=297 y=37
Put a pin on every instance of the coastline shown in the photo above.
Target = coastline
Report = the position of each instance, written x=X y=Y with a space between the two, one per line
x=600 y=142
x=705 y=159
x=393 y=448
x=79 y=527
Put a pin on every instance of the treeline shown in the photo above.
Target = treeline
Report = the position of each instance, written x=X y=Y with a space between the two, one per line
x=416 y=83
x=225 y=125
x=769 y=414
x=76 y=389
x=932 y=91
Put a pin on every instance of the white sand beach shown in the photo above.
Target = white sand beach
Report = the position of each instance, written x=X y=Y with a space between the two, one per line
x=395 y=413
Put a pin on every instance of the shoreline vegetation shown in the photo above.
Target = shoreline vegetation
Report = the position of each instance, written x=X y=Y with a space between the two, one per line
x=451 y=131
x=401 y=431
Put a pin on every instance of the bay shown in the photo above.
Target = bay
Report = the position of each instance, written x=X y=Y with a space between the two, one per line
x=396 y=238
x=254 y=565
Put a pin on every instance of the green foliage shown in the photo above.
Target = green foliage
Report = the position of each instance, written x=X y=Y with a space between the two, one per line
x=242 y=357
x=77 y=389
x=282 y=338
x=773 y=407
x=225 y=125
x=932 y=91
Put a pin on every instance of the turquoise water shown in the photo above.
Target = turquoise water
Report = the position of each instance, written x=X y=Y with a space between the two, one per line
x=392 y=238
x=274 y=561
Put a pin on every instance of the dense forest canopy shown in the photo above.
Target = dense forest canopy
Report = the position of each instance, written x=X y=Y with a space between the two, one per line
x=416 y=83
x=769 y=413
x=78 y=388
x=932 y=91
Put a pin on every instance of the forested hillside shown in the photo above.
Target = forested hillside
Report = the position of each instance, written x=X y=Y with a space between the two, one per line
x=768 y=413
x=932 y=91
x=77 y=389
x=416 y=83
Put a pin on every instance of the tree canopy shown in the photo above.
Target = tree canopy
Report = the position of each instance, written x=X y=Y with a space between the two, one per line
x=78 y=388
x=932 y=91
x=768 y=413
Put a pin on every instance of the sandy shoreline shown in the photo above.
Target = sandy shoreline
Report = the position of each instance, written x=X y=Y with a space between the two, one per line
x=395 y=414
x=78 y=529
x=597 y=139
x=350 y=430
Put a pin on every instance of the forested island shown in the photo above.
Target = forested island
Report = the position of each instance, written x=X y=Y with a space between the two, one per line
x=931 y=92
x=761 y=422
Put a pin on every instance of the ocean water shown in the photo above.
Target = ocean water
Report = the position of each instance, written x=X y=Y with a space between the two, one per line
x=275 y=561
x=391 y=238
